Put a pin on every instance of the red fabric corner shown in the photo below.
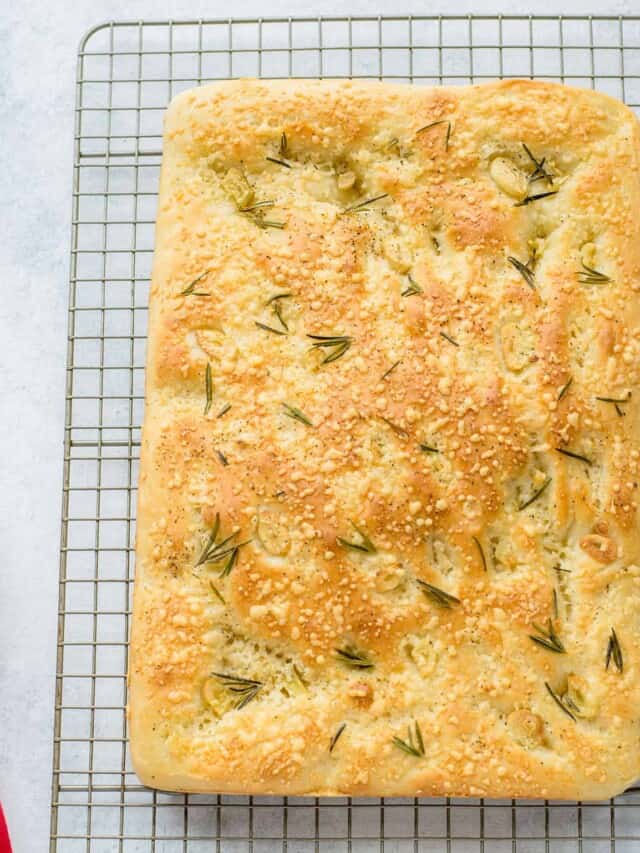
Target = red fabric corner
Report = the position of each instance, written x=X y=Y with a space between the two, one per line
x=5 y=844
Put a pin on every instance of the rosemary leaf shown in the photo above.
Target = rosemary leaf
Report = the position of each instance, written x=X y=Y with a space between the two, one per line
x=481 y=552
x=224 y=410
x=283 y=147
x=216 y=592
x=222 y=458
x=270 y=223
x=397 y=429
x=449 y=338
x=614 y=652
x=573 y=455
x=353 y=658
x=427 y=448
x=336 y=737
x=296 y=414
x=529 y=198
x=366 y=546
x=258 y=205
x=359 y=205
x=279 y=162
x=439 y=596
x=269 y=328
x=535 y=495
x=208 y=387
x=298 y=674
x=565 y=388
x=390 y=370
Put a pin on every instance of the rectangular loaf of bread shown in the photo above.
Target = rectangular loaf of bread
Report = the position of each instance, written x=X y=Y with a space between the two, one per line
x=388 y=521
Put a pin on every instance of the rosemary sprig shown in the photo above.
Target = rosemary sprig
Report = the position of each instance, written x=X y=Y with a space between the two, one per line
x=548 y=638
x=412 y=288
x=359 y=205
x=529 y=198
x=525 y=270
x=274 y=301
x=191 y=291
x=617 y=401
x=224 y=410
x=279 y=162
x=216 y=552
x=296 y=414
x=481 y=552
x=587 y=275
x=222 y=458
x=559 y=701
x=245 y=689
x=414 y=744
x=397 y=429
x=353 y=658
x=435 y=124
x=336 y=737
x=614 y=652
x=366 y=546
x=208 y=387
x=449 y=338
x=535 y=495
x=573 y=455
x=390 y=370
x=565 y=388
x=439 y=596
x=539 y=172
x=337 y=344
x=216 y=592
x=269 y=328
x=427 y=448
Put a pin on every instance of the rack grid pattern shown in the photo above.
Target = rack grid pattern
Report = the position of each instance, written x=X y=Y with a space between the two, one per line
x=127 y=72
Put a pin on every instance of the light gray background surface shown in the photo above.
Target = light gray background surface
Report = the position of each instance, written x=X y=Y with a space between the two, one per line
x=38 y=43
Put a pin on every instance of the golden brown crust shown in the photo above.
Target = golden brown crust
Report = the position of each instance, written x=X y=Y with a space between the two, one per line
x=421 y=509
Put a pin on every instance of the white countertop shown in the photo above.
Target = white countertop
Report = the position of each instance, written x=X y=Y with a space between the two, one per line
x=39 y=40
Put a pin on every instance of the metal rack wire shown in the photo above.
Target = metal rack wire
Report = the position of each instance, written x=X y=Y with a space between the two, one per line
x=126 y=74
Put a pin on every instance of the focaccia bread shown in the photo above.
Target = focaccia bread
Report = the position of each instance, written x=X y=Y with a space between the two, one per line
x=388 y=521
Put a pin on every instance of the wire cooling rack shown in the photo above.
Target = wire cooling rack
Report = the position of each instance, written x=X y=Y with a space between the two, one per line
x=127 y=72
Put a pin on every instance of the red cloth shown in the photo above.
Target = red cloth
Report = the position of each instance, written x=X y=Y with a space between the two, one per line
x=5 y=844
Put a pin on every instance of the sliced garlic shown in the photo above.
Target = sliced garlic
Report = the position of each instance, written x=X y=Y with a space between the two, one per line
x=526 y=727
x=508 y=177
x=578 y=699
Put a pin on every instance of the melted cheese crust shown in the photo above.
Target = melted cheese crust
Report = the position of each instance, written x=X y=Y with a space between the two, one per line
x=482 y=325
